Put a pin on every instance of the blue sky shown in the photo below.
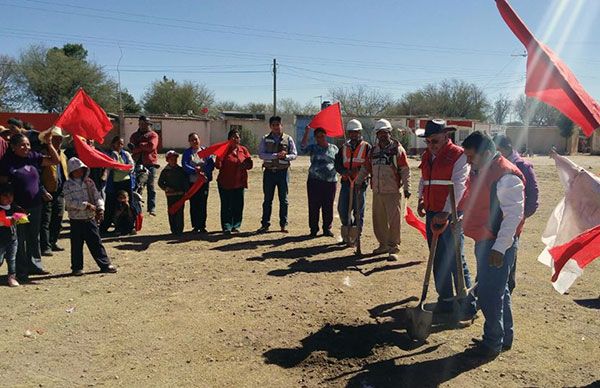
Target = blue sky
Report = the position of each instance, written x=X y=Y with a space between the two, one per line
x=395 y=46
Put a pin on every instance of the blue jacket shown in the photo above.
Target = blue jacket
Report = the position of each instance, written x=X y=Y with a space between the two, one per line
x=190 y=167
x=126 y=156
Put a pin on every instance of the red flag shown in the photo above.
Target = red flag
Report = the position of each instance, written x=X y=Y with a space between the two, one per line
x=549 y=79
x=217 y=149
x=94 y=158
x=84 y=117
x=416 y=223
x=4 y=220
x=330 y=119
x=583 y=249
x=174 y=208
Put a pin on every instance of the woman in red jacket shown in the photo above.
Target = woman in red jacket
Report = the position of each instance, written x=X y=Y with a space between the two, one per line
x=232 y=181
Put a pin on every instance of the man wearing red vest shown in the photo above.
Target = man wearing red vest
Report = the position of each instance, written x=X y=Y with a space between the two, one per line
x=494 y=204
x=348 y=161
x=442 y=163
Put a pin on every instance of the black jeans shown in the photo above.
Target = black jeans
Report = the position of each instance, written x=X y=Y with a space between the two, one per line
x=232 y=208
x=175 y=220
x=198 y=207
x=52 y=216
x=29 y=257
x=86 y=231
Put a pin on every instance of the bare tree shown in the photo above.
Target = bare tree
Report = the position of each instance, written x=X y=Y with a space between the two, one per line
x=291 y=106
x=359 y=100
x=534 y=112
x=501 y=109
x=10 y=96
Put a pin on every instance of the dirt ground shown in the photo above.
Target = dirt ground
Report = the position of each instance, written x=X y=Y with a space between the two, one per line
x=284 y=311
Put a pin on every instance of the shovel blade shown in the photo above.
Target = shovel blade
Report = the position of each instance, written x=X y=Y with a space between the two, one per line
x=353 y=234
x=419 y=323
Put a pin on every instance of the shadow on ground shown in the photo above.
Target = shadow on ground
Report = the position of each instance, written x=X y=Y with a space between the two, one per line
x=592 y=303
x=350 y=262
x=276 y=241
x=344 y=342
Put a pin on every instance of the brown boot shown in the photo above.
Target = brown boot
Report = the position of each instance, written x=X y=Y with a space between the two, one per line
x=12 y=281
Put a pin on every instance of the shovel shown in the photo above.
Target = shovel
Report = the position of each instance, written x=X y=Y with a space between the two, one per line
x=352 y=230
x=461 y=292
x=419 y=319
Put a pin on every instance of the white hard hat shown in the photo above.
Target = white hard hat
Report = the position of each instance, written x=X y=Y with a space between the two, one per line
x=354 y=125
x=382 y=125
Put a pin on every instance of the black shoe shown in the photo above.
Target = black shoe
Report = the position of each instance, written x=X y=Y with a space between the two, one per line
x=235 y=230
x=481 y=351
x=328 y=233
x=47 y=252
x=313 y=233
x=202 y=231
x=109 y=269
x=77 y=272
x=263 y=229
x=479 y=341
x=57 y=248
x=38 y=271
x=227 y=232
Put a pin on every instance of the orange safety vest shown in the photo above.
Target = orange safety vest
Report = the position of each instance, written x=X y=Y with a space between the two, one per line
x=353 y=159
x=436 y=173
x=483 y=216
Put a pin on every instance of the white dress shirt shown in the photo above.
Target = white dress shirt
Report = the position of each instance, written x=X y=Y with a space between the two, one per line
x=510 y=193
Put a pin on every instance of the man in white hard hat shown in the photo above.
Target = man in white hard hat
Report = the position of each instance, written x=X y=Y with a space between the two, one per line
x=387 y=165
x=348 y=162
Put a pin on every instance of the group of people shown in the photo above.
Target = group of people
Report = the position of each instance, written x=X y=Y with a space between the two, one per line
x=494 y=191
x=37 y=183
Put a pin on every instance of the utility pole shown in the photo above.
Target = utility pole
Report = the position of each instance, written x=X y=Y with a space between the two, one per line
x=274 y=87
x=119 y=80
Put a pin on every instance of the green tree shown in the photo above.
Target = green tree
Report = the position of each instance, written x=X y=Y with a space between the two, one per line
x=50 y=77
x=170 y=96
x=565 y=125
x=129 y=103
x=249 y=140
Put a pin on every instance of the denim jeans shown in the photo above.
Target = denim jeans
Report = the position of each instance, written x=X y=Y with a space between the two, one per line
x=86 y=231
x=512 y=278
x=494 y=296
x=275 y=179
x=444 y=266
x=359 y=200
x=198 y=207
x=9 y=252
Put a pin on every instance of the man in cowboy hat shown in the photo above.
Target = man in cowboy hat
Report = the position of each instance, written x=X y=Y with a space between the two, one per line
x=442 y=163
x=52 y=180
x=348 y=161
x=387 y=165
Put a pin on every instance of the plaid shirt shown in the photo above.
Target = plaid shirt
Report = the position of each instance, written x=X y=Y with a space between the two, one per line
x=78 y=193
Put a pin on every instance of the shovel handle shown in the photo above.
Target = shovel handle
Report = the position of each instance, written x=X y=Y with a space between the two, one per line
x=461 y=291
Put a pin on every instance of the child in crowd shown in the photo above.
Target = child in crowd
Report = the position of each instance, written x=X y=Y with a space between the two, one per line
x=174 y=181
x=8 y=233
x=86 y=208
x=124 y=216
